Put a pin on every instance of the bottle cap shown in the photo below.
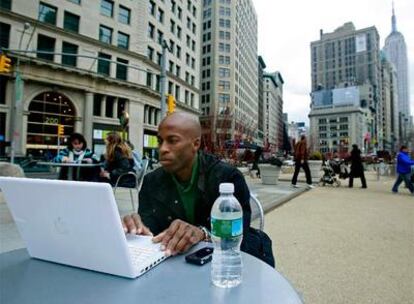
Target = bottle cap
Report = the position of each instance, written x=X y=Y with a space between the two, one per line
x=226 y=188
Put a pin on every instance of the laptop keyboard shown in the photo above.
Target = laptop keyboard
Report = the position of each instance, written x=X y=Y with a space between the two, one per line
x=140 y=254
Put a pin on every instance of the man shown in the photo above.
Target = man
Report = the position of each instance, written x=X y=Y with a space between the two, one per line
x=176 y=199
x=301 y=160
x=404 y=164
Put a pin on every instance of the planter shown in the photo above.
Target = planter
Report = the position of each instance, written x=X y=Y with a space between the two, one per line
x=315 y=167
x=269 y=174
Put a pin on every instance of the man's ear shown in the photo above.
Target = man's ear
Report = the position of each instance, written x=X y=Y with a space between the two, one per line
x=197 y=143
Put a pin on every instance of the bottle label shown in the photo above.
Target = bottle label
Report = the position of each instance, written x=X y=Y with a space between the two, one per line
x=226 y=228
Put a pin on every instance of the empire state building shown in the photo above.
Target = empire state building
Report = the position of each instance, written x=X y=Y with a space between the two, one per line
x=396 y=52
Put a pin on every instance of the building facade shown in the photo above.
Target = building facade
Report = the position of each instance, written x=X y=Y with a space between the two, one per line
x=229 y=72
x=390 y=122
x=346 y=85
x=82 y=64
x=261 y=113
x=396 y=52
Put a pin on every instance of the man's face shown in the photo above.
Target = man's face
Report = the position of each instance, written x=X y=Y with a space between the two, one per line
x=177 y=148
x=77 y=145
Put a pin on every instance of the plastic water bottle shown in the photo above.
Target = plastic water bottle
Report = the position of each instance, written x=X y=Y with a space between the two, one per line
x=226 y=234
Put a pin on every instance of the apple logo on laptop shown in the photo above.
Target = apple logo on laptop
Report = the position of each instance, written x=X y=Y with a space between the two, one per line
x=61 y=226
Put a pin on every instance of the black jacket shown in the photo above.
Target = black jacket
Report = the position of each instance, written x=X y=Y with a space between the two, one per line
x=118 y=166
x=160 y=203
x=357 y=169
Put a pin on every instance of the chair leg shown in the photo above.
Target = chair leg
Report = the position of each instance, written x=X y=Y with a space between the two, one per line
x=132 y=199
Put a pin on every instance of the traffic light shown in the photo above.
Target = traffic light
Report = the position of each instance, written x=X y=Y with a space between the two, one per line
x=5 y=64
x=171 y=104
x=61 y=130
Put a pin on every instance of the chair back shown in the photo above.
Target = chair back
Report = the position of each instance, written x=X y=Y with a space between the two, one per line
x=257 y=217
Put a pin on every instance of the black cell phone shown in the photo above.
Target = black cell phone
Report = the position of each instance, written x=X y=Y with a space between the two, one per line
x=200 y=257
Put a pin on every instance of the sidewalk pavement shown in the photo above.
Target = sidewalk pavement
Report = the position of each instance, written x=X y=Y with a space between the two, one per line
x=341 y=245
x=270 y=196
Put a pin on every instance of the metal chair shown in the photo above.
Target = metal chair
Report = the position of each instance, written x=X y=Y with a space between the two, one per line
x=257 y=217
x=139 y=178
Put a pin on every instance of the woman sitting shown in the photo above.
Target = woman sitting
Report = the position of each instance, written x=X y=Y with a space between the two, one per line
x=118 y=160
x=77 y=152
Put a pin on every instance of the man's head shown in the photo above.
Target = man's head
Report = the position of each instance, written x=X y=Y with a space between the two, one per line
x=404 y=149
x=179 y=136
x=303 y=137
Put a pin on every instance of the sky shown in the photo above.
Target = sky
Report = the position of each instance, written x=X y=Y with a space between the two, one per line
x=286 y=29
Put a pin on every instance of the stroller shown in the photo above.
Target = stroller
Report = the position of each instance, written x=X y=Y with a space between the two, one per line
x=329 y=177
x=340 y=168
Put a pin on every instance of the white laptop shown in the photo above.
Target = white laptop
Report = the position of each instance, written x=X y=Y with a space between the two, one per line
x=77 y=224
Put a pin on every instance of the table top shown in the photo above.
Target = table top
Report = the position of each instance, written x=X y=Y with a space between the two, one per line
x=53 y=164
x=25 y=280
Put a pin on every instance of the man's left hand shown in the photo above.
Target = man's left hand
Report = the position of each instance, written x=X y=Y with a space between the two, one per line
x=179 y=237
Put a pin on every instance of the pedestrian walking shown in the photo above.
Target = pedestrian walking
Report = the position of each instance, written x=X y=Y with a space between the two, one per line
x=404 y=165
x=301 y=161
x=357 y=169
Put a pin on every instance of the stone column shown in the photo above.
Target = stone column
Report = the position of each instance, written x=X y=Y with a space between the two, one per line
x=16 y=121
x=136 y=124
x=103 y=105
x=88 y=117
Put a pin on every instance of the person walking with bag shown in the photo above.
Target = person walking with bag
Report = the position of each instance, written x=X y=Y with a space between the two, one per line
x=301 y=161
x=404 y=164
x=357 y=169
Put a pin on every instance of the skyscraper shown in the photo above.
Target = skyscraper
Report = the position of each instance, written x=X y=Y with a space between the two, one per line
x=396 y=52
x=346 y=96
x=229 y=72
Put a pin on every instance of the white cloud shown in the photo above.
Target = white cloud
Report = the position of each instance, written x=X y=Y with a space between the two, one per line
x=286 y=29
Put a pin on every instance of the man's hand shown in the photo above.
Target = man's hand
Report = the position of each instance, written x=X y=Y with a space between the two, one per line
x=179 y=237
x=133 y=224
x=65 y=159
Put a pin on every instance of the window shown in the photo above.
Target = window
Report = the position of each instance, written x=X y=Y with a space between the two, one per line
x=224 y=85
x=71 y=22
x=192 y=80
x=46 y=44
x=224 y=47
x=151 y=8
x=104 y=66
x=160 y=37
x=171 y=66
x=178 y=51
x=224 y=35
x=172 y=45
x=193 y=63
x=4 y=35
x=124 y=15
x=159 y=58
x=151 y=31
x=189 y=23
x=149 y=79
x=158 y=83
x=97 y=104
x=105 y=34
x=179 y=13
x=123 y=40
x=47 y=13
x=172 y=26
x=224 y=72
x=224 y=23
x=69 y=48
x=75 y=1
x=5 y=4
x=122 y=69
x=177 y=70
x=107 y=8
x=177 y=92
x=109 y=106
x=194 y=29
x=224 y=59
x=179 y=32
x=193 y=44
x=173 y=6
x=150 y=53
x=160 y=15
x=224 y=98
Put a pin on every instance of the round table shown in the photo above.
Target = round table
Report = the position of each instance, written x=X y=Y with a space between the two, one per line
x=25 y=280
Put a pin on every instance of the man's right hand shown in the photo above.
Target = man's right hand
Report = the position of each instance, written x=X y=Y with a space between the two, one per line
x=132 y=224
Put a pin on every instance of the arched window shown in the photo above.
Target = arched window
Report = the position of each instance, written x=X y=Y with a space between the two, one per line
x=47 y=111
